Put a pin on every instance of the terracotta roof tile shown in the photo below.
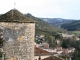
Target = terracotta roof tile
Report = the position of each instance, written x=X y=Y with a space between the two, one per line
x=39 y=51
x=52 y=58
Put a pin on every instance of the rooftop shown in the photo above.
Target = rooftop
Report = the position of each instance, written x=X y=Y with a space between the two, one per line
x=14 y=16
x=52 y=58
x=39 y=51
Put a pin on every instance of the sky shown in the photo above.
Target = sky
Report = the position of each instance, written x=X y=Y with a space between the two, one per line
x=67 y=9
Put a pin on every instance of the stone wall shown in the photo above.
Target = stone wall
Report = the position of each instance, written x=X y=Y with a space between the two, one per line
x=18 y=40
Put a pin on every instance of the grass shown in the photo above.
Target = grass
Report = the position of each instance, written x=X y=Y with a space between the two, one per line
x=76 y=32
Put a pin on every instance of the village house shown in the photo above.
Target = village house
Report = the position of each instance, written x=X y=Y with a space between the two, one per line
x=36 y=45
x=44 y=45
x=65 y=35
x=58 y=42
x=68 y=50
x=41 y=36
x=40 y=53
x=59 y=50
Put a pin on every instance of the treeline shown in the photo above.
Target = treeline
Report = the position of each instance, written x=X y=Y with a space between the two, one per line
x=72 y=43
x=75 y=25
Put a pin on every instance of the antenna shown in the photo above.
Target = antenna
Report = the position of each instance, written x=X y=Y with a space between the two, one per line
x=14 y=5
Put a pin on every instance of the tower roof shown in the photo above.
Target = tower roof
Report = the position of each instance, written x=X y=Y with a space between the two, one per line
x=14 y=16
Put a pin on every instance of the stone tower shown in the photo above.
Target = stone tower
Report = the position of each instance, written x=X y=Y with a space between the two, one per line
x=18 y=34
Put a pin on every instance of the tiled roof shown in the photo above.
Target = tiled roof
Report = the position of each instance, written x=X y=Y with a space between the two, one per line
x=52 y=58
x=39 y=51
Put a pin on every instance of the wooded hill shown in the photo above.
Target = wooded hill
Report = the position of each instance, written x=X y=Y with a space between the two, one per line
x=42 y=27
x=57 y=21
x=72 y=26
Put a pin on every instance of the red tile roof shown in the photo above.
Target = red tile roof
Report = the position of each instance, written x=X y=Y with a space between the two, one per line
x=39 y=51
x=52 y=58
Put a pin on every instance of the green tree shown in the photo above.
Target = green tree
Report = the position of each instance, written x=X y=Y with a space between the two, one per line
x=51 y=41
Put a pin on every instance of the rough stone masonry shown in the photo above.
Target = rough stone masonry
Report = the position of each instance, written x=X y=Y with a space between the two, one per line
x=18 y=41
x=18 y=37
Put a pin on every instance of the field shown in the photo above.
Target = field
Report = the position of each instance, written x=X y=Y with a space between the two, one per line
x=76 y=32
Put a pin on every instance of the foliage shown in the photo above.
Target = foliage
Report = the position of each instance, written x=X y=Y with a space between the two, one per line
x=72 y=26
x=1 y=42
x=51 y=41
x=68 y=43
x=76 y=55
x=72 y=43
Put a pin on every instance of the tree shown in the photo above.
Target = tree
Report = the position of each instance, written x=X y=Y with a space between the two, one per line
x=51 y=41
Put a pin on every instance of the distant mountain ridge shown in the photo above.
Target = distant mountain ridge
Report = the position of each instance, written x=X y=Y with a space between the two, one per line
x=56 y=21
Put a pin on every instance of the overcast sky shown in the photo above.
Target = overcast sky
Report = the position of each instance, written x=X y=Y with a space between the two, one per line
x=68 y=9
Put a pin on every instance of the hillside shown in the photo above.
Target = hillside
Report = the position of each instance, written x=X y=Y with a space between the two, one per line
x=72 y=26
x=56 y=21
x=42 y=26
